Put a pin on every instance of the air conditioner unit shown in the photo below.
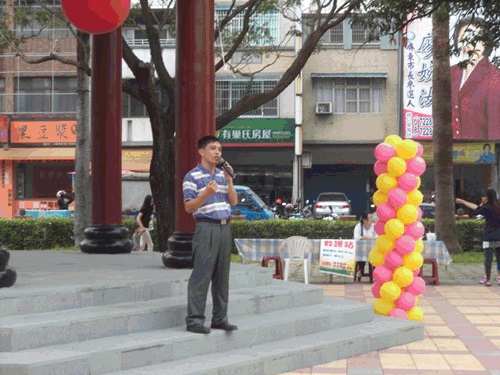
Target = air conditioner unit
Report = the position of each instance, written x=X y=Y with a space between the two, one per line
x=323 y=108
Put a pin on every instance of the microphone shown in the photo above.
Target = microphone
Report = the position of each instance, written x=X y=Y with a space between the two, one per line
x=223 y=164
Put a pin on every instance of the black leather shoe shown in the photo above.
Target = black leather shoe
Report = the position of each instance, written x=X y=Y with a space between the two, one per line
x=225 y=326
x=198 y=328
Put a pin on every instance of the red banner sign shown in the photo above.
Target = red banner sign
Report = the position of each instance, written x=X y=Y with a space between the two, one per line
x=54 y=133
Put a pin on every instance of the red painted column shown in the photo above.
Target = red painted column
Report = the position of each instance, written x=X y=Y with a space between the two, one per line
x=106 y=235
x=106 y=128
x=195 y=92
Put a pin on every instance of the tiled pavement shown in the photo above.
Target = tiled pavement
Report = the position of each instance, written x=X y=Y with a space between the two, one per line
x=462 y=330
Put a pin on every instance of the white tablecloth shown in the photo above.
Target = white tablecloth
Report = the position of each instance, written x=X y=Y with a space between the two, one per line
x=254 y=249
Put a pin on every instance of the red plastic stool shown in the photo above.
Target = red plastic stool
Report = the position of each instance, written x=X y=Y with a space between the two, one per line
x=359 y=271
x=279 y=266
x=435 y=275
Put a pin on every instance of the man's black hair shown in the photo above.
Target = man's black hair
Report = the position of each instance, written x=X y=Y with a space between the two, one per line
x=484 y=37
x=203 y=141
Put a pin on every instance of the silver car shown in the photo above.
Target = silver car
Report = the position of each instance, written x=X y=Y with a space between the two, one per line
x=331 y=203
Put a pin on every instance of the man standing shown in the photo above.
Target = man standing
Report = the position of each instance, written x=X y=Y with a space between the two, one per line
x=208 y=193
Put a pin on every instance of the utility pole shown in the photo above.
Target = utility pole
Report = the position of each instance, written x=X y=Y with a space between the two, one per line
x=297 y=192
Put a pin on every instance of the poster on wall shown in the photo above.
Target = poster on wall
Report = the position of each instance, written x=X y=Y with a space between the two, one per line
x=337 y=257
x=475 y=83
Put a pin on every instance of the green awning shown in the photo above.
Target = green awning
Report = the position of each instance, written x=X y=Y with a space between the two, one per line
x=348 y=75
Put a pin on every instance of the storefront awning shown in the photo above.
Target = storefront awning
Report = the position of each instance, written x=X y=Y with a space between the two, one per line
x=348 y=75
x=136 y=159
x=42 y=153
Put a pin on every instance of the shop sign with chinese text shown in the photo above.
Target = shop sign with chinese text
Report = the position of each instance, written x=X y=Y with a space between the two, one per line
x=258 y=132
x=53 y=133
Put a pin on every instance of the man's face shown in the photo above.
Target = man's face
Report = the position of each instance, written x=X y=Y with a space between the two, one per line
x=471 y=49
x=211 y=153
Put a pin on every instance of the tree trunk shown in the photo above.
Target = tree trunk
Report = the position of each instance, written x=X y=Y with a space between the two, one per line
x=83 y=194
x=162 y=175
x=443 y=135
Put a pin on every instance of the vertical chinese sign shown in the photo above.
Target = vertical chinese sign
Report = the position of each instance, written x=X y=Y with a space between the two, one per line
x=417 y=80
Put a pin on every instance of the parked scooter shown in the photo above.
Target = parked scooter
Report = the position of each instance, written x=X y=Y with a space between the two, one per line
x=307 y=210
x=330 y=216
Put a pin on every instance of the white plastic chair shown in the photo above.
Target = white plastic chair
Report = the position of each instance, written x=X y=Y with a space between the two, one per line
x=296 y=249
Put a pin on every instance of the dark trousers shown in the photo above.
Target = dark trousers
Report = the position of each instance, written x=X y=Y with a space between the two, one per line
x=488 y=260
x=212 y=245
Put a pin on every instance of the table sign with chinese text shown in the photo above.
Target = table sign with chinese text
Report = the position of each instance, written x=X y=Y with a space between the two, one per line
x=337 y=257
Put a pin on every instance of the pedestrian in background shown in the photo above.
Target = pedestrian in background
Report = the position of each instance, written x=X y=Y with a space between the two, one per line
x=209 y=194
x=144 y=218
x=490 y=210
x=63 y=199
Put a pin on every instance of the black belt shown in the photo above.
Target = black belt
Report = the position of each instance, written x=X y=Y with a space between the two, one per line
x=213 y=221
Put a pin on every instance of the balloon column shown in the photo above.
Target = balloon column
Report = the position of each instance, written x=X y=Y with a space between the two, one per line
x=96 y=16
x=397 y=256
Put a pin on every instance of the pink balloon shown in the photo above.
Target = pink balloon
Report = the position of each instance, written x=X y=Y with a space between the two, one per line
x=416 y=272
x=417 y=286
x=405 y=244
x=397 y=197
x=379 y=167
x=415 y=230
x=419 y=210
x=379 y=227
x=420 y=149
x=416 y=166
x=408 y=182
x=376 y=289
x=385 y=212
x=382 y=274
x=393 y=259
x=398 y=313
x=406 y=301
x=384 y=152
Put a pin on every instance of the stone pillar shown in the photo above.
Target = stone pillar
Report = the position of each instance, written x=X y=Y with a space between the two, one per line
x=194 y=111
x=107 y=235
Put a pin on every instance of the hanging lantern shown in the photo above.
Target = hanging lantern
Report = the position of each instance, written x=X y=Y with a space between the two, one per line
x=96 y=16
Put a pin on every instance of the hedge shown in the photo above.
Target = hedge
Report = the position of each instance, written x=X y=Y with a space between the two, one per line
x=36 y=234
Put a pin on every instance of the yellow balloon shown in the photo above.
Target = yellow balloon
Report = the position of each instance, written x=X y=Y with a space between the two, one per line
x=415 y=314
x=419 y=182
x=376 y=257
x=402 y=276
x=379 y=197
x=394 y=228
x=382 y=307
x=396 y=166
x=390 y=291
x=407 y=213
x=413 y=261
x=393 y=139
x=384 y=243
x=415 y=197
x=407 y=149
x=385 y=182
x=419 y=246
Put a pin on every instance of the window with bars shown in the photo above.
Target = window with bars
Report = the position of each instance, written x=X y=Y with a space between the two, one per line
x=264 y=27
x=334 y=36
x=132 y=107
x=138 y=37
x=45 y=95
x=228 y=93
x=361 y=34
x=351 y=95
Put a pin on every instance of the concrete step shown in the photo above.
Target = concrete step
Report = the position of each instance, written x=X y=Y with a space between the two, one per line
x=39 y=299
x=65 y=326
x=132 y=351
x=293 y=353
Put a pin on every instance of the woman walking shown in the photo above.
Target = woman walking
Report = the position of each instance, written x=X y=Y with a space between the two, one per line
x=490 y=209
x=143 y=219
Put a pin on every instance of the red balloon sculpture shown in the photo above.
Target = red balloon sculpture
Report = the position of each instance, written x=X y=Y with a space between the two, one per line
x=96 y=16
